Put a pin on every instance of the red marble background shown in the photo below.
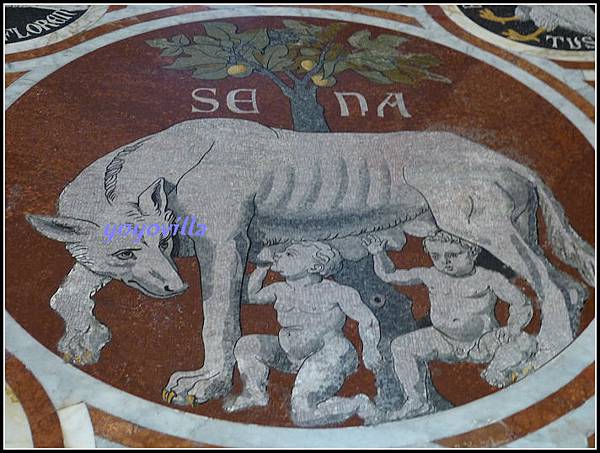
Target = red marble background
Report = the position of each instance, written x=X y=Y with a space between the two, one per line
x=120 y=93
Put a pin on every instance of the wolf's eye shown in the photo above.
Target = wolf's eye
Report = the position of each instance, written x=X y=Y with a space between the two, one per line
x=163 y=244
x=125 y=255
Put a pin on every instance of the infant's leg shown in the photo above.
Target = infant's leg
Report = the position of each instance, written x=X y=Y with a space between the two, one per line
x=511 y=361
x=319 y=379
x=255 y=354
x=407 y=350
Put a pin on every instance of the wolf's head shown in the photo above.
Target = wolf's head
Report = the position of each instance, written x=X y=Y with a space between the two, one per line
x=141 y=261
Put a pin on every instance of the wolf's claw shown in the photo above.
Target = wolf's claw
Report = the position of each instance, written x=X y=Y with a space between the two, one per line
x=197 y=387
x=81 y=345
x=168 y=395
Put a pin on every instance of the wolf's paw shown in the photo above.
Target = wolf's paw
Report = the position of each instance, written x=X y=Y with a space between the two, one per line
x=197 y=387
x=245 y=401
x=83 y=346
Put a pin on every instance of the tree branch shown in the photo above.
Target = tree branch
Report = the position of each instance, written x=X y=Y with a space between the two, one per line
x=319 y=65
x=292 y=76
x=280 y=83
x=262 y=70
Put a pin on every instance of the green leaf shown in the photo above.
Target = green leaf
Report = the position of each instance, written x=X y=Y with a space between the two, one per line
x=197 y=59
x=275 y=57
x=383 y=43
x=208 y=51
x=255 y=39
x=438 y=77
x=375 y=76
x=341 y=67
x=180 y=40
x=171 y=52
x=303 y=27
x=374 y=60
x=159 y=43
x=421 y=60
x=309 y=52
x=210 y=72
x=222 y=31
x=400 y=76
x=331 y=31
x=385 y=40
x=328 y=69
x=282 y=65
x=206 y=41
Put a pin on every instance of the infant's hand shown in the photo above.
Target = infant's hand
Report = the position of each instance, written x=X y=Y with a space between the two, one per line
x=265 y=255
x=372 y=359
x=373 y=244
x=505 y=334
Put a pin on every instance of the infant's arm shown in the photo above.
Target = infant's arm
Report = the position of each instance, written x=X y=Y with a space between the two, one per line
x=521 y=310
x=257 y=294
x=368 y=326
x=386 y=271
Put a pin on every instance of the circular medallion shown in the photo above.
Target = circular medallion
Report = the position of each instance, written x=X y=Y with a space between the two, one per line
x=28 y=27
x=264 y=220
x=560 y=32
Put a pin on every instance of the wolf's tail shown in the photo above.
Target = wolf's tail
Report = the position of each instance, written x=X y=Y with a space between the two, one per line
x=565 y=242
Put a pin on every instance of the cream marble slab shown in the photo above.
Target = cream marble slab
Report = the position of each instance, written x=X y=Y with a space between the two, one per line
x=76 y=426
x=17 y=433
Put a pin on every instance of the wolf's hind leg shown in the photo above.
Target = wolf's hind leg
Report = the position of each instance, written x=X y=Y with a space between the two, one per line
x=84 y=335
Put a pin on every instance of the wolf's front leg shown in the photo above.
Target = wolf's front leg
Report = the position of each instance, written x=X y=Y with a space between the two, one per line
x=222 y=265
x=84 y=335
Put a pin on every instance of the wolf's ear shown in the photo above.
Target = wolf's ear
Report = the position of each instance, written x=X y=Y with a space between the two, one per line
x=153 y=200
x=63 y=229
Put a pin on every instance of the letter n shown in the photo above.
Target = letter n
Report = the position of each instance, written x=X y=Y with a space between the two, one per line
x=362 y=102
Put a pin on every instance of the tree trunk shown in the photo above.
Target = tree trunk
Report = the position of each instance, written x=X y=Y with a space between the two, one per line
x=393 y=310
x=307 y=114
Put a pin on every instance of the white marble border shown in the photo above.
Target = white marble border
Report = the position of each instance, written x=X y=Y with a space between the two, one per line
x=569 y=431
x=68 y=385
x=86 y=21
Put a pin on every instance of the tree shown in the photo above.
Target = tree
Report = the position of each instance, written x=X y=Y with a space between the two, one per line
x=299 y=59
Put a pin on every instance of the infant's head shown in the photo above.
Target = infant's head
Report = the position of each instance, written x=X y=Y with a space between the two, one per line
x=450 y=254
x=307 y=257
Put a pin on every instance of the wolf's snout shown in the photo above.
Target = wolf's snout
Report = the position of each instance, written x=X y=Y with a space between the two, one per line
x=176 y=289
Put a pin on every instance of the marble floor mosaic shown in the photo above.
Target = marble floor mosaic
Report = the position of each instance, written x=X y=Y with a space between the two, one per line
x=330 y=226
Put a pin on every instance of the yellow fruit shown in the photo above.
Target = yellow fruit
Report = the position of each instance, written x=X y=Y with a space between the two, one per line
x=319 y=81
x=307 y=64
x=236 y=69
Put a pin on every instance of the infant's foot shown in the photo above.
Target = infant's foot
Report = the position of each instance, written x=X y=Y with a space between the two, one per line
x=496 y=378
x=413 y=407
x=369 y=412
x=245 y=400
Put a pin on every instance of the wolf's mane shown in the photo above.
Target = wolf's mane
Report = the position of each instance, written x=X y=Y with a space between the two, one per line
x=114 y=168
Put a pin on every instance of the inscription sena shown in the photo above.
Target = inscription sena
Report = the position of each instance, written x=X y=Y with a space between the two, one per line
x=250 y=103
